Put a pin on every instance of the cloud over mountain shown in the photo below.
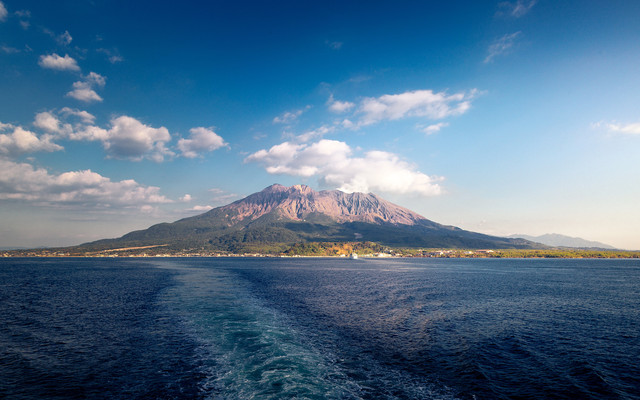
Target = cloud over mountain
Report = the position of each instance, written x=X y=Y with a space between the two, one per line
x=335 y=166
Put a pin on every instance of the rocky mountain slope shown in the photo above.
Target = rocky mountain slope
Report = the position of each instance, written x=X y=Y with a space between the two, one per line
x=287 y=215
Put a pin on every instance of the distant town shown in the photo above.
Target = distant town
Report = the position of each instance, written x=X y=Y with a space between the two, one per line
x=322 y=249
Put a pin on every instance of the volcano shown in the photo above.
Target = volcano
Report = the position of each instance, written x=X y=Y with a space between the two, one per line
x=281 y=215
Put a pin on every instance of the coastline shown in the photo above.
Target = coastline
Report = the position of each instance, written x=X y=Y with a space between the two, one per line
x=160 y=251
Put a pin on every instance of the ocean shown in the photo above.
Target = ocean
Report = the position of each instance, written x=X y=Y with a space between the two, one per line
x=327 y=328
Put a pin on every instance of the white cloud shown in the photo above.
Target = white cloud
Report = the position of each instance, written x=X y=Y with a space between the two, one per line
x=186 y=198
x=89 y=132
x=334 y=45
x=50 y=123
x=515 y=9
x=21 y=181
x=200 y=208
x=84 y=93
x=112 y=55
x=82 y=129
x=339 y=106
x=64 y=39
x=501 y=46
x=417 y=103
x=348 y=124
x=431 y=129
x=9 y=50
x=24 y=15
x=280 y=158
x=289 y=116
x=3 y=12
x=131 y=139
x=84 y=116
x=629 y=129
x=83 y=90
x=54 y=61
x=126 y=138
x=95 y=79
x=334 y=164
x=314 y=134
x=200 y=141
x=21 y=141
x=222 y=197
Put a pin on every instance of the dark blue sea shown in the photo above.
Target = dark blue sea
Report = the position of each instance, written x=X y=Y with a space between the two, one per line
x=253 y=328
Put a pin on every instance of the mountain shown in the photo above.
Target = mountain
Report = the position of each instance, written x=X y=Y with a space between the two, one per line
x=288 y=215
x=557 y=240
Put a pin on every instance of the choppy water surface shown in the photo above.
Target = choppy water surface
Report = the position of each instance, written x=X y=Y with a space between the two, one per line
x=319 y=329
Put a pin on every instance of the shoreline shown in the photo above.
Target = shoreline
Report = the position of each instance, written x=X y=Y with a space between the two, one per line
x=406 y=253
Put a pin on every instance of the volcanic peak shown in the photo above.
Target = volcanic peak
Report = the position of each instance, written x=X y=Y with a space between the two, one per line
x=298 y=202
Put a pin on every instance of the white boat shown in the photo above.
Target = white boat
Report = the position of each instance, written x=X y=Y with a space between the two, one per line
x=354 y=256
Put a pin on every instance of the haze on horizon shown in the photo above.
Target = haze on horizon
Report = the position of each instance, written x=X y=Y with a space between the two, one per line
x=500 y=117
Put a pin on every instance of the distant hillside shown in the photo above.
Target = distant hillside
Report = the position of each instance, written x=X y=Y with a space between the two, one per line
x=557 y=240
x=287 y=215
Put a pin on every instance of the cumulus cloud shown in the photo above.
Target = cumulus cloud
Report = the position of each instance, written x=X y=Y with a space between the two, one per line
x=22 y=141
x=515 y=9
x=131 y=139
x=339 y=106
x=21 y=181
x=417 y=103
x=125 y=138
x=84 y=116
x=84 y=90
x=335 y=165
x=81 y=129
x=47 y=122
x=434 y=128
x=54 y=61
x=501 y=46
x=3 y=12
x=200 y=141
x=615 y=127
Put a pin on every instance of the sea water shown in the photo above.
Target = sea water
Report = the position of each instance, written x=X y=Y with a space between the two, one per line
x=256 y=328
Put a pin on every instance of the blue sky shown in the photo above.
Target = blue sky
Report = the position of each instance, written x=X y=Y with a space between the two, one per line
x=500 y=117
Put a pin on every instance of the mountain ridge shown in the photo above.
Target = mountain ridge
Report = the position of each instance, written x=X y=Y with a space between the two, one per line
x=280 y=215
x=298 y=201
x=558 y=240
